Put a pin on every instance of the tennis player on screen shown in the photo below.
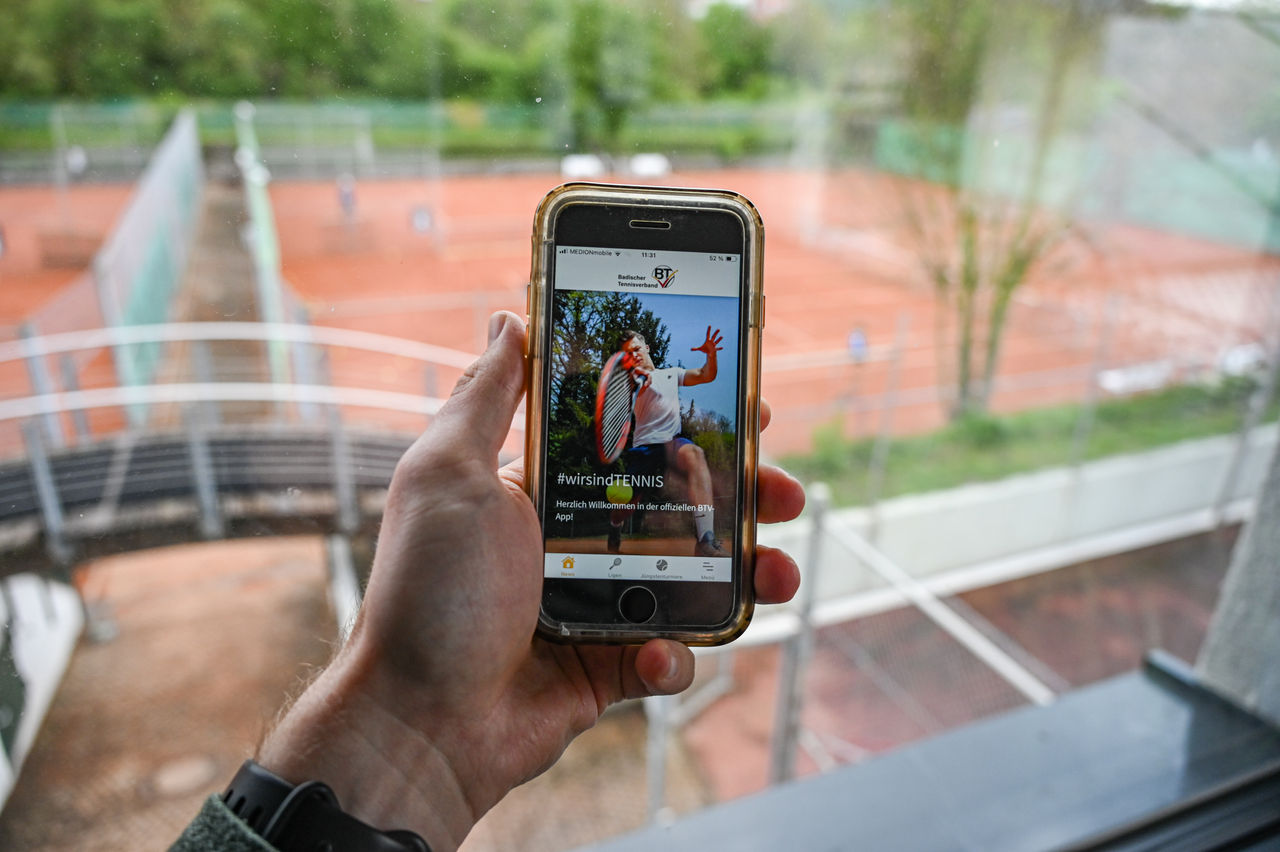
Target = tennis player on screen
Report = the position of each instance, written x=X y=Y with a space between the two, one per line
x=656 y=444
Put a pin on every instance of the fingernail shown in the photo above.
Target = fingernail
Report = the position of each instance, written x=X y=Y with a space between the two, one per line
x=673 y=668
x=497 y=322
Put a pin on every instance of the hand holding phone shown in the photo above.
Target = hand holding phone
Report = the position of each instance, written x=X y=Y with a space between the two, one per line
x=641 y=461
x=439 y=683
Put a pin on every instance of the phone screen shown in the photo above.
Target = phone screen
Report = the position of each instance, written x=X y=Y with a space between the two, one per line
x=642 y=457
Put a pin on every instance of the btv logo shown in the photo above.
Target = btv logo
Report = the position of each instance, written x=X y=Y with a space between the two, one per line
x=663 y=275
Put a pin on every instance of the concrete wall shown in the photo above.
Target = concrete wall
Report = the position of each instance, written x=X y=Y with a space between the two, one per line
x=42 y=621
x=985 y=533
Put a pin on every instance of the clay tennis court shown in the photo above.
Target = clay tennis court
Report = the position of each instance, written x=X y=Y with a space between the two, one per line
x=50 y=236
x=854 y=266
x=837 y=257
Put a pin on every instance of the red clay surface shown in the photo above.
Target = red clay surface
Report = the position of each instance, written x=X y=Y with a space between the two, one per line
x=36 y=219
x=838 y=256
x=42 y=227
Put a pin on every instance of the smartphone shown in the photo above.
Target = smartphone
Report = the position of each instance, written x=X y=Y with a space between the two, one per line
x=645 y=314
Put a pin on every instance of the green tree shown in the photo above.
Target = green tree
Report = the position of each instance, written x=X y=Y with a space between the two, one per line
x=588 y=328
x=609 y=70
x=812 y=48
x=714 y=434
x=500 y=51
x=987 y=221
x=677 y=65
x=87 y=48
x=736 y=51
x=218 y=49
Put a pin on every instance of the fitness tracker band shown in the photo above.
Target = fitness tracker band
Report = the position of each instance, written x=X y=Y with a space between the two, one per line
x=306 y=818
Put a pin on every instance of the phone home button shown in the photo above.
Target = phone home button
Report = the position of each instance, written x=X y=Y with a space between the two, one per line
x=637 y=604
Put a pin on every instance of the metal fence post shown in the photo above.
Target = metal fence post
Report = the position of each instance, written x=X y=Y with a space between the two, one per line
x=41 y=382
x=347 y=515
x=46 y=600
x=480 y=318
x=1101 y=355
x=1240 y=657
x=204 y=476
x=10 y=607
x=61 y=176
x=1259 y=401
x=880 y=451
x=798 y=649
x=431 y=381
x=658 y=713
x=344 y=586
x=71 y=384
x=304 y=368
x=47 y=494
x=202 y=364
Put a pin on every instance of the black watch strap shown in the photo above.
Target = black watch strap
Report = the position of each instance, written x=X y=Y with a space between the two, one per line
x=306 y=818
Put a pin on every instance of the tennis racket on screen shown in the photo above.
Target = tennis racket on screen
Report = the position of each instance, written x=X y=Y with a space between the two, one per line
x=615 y=400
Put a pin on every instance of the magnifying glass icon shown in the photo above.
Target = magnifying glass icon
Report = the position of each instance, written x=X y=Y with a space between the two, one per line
x=617 y=560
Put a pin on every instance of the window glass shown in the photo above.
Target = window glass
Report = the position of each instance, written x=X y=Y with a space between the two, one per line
x=1021 y=274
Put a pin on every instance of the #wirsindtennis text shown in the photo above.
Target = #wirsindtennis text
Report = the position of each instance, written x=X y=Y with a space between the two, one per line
x=634 y=481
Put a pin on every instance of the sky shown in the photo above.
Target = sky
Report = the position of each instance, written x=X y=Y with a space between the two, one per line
x=687 y=318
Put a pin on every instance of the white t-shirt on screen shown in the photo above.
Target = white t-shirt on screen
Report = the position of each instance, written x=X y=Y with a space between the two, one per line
x=658 y=407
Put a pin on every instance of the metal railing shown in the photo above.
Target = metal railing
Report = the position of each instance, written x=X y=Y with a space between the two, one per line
x=794 y=629
x=315 y=353
x=356 y=402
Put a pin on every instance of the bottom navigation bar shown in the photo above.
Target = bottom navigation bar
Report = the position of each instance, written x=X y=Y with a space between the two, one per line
x=618 y=566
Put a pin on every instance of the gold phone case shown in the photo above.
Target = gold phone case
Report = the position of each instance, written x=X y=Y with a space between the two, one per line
x=749 y=431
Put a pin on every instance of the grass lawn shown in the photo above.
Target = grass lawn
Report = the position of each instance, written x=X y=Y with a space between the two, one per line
x=995 y=446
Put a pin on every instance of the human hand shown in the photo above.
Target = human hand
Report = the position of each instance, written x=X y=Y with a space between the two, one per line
x=443 y=699
x=711 y=345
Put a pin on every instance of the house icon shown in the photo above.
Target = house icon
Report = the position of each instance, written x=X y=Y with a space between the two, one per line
x=567 y=563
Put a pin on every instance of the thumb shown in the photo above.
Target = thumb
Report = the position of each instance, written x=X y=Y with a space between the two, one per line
x=478 y=413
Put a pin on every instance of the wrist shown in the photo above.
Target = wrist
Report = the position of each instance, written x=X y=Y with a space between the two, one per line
x=383 y=771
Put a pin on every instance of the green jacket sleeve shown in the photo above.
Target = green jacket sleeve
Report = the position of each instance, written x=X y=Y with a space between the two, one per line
x=217 y=829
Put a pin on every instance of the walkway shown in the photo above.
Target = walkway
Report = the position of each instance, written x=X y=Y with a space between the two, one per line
x=210 y=637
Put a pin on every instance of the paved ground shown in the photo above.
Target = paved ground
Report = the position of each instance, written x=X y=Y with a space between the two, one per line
x=888 y=679
x=208 y=641
x=211 y=637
